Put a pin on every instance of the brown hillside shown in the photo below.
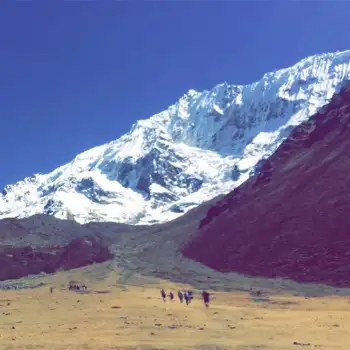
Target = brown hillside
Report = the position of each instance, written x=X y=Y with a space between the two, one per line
x=293 y=219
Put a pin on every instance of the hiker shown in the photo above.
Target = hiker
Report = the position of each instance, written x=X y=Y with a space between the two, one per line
x=163 y=294
x=187 y=297
x=180 y=295
x=171 y=295
x=75 y=287
x=190 y=295
x=206 y=297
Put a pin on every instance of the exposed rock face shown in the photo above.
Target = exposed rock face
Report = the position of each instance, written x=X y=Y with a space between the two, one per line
x=20 y=262
x=291 y=219
x=44 y=244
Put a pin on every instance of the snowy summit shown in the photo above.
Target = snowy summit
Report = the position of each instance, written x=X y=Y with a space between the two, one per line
x=204 y=145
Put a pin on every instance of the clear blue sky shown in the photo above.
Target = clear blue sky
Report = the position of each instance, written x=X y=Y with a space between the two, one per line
x=76 y=74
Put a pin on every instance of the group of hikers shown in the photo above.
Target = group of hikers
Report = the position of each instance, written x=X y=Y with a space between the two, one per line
x=77 y=286
x=187 y=295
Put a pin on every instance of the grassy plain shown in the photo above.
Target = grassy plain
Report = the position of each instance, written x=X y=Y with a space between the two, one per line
x=120 y=316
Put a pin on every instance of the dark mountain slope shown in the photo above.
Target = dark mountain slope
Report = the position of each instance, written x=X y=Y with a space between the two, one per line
x=292 y=220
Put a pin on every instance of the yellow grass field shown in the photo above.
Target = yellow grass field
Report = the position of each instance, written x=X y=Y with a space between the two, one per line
x=135 y=317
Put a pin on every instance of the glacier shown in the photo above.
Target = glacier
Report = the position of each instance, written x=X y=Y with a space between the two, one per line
x=204 y=145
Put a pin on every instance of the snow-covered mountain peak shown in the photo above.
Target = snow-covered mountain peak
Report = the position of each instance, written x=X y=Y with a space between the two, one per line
x=203 y=145
x=192 y=93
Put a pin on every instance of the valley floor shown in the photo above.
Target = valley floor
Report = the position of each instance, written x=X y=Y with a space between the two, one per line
x=118 y=316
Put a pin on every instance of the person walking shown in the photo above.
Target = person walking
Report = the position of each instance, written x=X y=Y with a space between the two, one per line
x=162 y=292
x=187 y=297
x=190 y=295
x=206 y=298
x=181 y=296
x=171 y=295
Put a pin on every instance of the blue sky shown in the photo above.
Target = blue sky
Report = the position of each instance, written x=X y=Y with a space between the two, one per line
x=76 y=74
